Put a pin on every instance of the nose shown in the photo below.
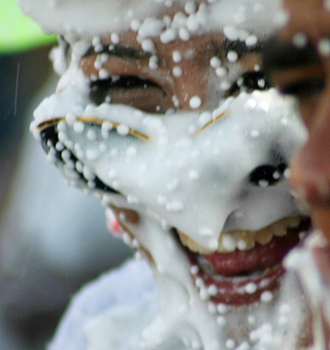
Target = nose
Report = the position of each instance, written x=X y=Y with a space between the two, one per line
x=311 y=167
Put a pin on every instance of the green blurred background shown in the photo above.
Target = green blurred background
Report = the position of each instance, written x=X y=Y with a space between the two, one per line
x=18 y=32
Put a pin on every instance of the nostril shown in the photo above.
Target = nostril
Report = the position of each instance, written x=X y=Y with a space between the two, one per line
x=267 y=175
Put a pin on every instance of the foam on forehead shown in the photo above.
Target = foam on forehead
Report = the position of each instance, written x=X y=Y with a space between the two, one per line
x=88 y=18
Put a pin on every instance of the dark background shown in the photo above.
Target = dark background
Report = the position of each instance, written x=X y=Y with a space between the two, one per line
x=37 y=281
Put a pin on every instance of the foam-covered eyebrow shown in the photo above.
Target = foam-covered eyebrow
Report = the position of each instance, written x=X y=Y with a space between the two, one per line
x=280 y=54
x=219 y=50
x=122 y=51
x=240 y=47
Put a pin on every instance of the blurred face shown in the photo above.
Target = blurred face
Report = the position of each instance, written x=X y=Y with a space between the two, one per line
x=174 y=126
x=299 y=63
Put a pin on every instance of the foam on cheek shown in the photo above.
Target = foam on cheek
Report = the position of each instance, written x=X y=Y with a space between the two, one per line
x=190 y=180
x=187 y=319
x=72 y=89
x=175 y=135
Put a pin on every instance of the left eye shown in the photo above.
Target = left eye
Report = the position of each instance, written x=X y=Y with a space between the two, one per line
x=250 y=81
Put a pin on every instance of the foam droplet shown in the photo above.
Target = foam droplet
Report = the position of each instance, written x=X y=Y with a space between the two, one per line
x=266 y=297
x=123 y=129
x=195 y=102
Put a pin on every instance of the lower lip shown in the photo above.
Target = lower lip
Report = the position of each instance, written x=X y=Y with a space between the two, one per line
x=237 y=291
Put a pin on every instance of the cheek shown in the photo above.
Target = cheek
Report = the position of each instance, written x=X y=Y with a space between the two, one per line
x=321 y=220
x=307 y=109
x=116 y=217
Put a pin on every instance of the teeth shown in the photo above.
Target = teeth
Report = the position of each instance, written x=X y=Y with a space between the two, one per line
x=264 y=236
x=228 y=241
x=293 y=221
x=244 y=240
x=247 y=237
x=193 y=245
x=278 y=228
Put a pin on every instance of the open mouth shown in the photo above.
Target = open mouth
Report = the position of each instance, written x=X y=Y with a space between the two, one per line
x=247 y=266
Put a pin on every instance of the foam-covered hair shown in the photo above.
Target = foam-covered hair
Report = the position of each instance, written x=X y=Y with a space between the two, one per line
x=93 y=17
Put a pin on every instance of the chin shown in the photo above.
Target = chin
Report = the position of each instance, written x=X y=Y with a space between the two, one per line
x=208 y=302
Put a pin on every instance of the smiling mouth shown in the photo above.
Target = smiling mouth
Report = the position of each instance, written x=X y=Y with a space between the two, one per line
x=247 y=267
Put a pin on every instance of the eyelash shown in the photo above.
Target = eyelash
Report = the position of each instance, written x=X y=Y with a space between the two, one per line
x=102 y=88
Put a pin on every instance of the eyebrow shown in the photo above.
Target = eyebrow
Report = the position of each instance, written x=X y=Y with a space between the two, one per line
x=219 y=50
x=121 y=51
x=239 y=47
x=279 y=54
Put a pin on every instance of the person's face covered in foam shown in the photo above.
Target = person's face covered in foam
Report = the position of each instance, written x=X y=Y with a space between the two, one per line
x=171 y=121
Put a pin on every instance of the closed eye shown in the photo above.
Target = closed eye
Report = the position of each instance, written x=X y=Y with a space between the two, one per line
x=102 y=88
x=132 y=90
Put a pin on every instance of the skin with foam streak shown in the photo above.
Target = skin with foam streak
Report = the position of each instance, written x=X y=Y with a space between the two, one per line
x=182 y=169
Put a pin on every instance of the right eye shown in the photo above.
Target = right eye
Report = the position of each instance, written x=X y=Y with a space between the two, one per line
x=254 y=81
x=131 y=90
x=250 y=81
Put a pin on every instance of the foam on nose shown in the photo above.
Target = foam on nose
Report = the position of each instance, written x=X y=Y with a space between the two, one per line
x=189 y=179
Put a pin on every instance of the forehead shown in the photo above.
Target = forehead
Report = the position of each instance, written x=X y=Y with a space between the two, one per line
x=88 y=18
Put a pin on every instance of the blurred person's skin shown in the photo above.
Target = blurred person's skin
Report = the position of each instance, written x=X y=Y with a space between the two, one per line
x=169 y=120
x=298 y=62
